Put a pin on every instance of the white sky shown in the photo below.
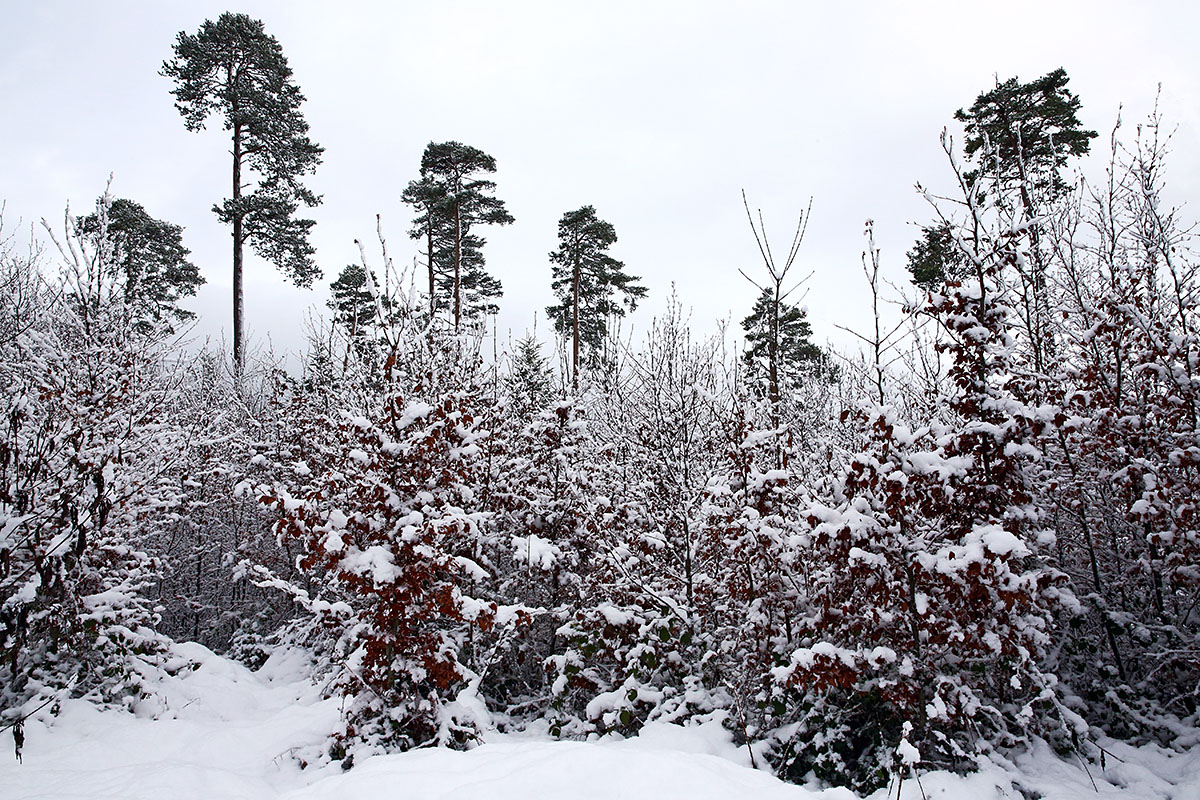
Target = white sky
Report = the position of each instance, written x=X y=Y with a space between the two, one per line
x=657 y=113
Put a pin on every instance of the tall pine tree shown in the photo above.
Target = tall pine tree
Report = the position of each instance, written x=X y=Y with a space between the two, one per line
x=451 y=197
x=1028 y=130
x=585 y=278
x=233 y=68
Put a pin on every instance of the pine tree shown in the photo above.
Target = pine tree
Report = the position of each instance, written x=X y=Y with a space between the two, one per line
x=1027 y=131
x=935 y=258
x=585 y=278
x=352 y=304
x=451 y=198
x=528 y=384
x=233 y=68
x=784 y=329
x=149 y=255
x=1021 y=135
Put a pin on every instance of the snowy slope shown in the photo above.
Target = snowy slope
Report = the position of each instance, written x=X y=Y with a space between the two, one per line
x=221 y=731
x=225 y=732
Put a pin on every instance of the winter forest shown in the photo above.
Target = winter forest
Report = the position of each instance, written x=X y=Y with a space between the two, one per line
x=975 y=534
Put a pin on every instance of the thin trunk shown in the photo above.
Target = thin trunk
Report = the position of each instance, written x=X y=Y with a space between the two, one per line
x=687 y=533
x=196 y=593
x=687 y=571
x=914 y=623
x=1039 y=322
x=239 y=356
x=575 y=326
x=1156 y=582
x=457 y=265
x=773 y=366
x=878 y=341
x=429 y=258
x=773 y=344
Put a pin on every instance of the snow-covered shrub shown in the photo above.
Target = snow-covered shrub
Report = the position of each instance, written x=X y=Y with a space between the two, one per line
x=1125 y=475
x=392 y=535
x=752 y=527
x=931 y=607
x=86 y=439
x=638 y=642
x=544 y=504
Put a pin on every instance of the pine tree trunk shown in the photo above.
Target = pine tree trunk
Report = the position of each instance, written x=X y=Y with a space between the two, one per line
x=1039 y=321
x=457 y=265
x=429 y=257
x=239 y=356
x=575 y=325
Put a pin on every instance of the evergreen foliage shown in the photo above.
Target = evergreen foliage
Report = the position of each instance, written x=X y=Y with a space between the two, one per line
x=529 y=384
x=149 y=255
x=1026 y=132
x=1021 y=136
x=935 y=258
x=353 y=303
x=788 y=325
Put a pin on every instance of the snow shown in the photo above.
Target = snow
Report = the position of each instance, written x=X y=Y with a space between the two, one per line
x=881 y=655
x=805 y=658
x=376 y=560
x=1001 y=542
x=222 y=731
x=333 y=542
x=412 y=412
x=471 y=568
x=868 y=558
x=922 y=603
x=909 y=755
x=540 y=769
x=1022 y=449
x=26 y=593
x=614 y=615
x=536 y=551
x=8 y=530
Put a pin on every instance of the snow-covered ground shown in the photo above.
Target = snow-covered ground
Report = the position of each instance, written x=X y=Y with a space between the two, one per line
x=222 y=731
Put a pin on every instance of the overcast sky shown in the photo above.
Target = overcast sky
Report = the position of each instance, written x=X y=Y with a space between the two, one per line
x=656 y=113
